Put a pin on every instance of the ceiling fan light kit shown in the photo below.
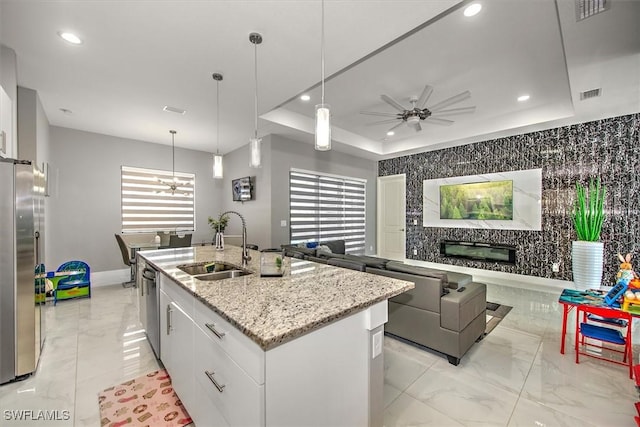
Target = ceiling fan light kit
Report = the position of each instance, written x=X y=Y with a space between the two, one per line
x=217 y=158
x=419 y=113
x=323 y=113
x=255 y=143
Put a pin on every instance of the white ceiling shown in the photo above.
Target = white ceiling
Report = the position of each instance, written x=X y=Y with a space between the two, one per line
x=139 y=56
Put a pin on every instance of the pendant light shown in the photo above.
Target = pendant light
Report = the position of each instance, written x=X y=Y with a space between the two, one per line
x=255 y=143
x=174 y=182
x=217 y=158
x=323 y=115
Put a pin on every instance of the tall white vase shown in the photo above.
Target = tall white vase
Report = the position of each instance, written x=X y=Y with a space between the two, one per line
x=587 y=259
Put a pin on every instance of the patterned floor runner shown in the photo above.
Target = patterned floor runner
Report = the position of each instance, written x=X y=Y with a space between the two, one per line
x=148 y=400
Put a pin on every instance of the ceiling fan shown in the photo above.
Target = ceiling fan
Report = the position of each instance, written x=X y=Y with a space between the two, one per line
x=419 y=112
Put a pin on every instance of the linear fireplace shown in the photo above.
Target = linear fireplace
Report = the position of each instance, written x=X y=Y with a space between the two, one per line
x=478 y=251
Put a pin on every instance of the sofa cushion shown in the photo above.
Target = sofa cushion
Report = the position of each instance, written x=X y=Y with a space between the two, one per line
x=369 y=261
x=336 y=246
x=457 y=280
x=298 y=252
x=418 y=271
x=323 y=249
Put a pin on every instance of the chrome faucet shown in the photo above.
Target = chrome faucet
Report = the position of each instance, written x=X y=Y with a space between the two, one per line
x=245 y=253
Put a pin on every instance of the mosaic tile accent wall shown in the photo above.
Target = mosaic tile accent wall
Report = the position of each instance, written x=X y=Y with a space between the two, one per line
x=608 y=148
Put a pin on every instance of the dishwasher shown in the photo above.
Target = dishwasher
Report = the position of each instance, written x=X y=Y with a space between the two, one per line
x=150 y=294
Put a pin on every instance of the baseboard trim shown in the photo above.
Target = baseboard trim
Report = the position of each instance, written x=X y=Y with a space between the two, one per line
x=111 y=277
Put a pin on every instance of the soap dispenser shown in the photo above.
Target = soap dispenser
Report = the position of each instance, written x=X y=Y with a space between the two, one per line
x=156 y=239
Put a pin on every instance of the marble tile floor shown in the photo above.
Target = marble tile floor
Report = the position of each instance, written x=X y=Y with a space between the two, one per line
x=514 y=377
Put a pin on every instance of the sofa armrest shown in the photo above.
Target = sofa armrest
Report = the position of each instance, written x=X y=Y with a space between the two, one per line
x=426 y=294
x=458 y=309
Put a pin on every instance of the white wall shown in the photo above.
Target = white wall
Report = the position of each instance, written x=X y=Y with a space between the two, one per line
x=85 y=202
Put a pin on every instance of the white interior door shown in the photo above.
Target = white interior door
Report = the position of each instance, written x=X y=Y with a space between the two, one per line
x=392 y=217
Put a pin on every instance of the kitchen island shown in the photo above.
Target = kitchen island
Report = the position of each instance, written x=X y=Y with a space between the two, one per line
x=301 y=349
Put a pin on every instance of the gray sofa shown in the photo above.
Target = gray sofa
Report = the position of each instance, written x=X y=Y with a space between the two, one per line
x=433 y=314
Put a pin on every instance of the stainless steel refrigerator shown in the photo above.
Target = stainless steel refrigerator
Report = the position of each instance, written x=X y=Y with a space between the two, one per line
x=22 y=293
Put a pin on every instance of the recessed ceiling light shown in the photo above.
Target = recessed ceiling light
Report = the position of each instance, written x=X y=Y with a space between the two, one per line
x=69 y=37
x=472 y=9
x=523 y=98
x=391 y=133
x=305 y=97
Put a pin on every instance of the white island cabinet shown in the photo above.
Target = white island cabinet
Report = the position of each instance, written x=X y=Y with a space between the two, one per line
x=302 y=350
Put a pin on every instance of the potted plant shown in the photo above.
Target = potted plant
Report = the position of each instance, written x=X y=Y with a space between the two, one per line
x=587 y=251
x=218 y=224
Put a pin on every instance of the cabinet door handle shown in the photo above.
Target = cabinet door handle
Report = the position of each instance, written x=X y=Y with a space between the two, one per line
x=169 y=327
x=220 y=387
x=212 y=328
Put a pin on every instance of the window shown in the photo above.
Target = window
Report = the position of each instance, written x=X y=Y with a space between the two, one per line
x=324 y=207
x=155 y=200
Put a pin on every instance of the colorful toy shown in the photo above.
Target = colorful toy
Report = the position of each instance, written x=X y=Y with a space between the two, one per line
x=625 y=274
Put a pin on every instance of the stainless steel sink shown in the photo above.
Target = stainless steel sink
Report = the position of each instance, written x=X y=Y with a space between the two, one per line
x=201 y=267
x=227 y=274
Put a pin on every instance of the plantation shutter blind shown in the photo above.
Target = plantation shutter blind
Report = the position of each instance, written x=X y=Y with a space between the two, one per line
x=326 y=208
x=148 y=204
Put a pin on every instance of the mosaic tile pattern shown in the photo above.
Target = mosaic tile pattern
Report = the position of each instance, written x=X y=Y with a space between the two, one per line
x=608 y=148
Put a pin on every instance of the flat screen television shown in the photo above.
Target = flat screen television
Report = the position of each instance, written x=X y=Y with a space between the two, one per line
x=242 y=189
x=488 y=200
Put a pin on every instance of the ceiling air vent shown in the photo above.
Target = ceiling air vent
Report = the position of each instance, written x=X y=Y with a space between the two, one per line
x=589 y=94
x=174 y=109
x=587 y=8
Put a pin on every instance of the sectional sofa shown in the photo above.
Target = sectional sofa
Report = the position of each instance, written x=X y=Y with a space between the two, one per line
x=446 y=311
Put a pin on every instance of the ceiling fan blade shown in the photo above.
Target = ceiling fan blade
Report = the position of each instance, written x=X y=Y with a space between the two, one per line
x=417 y=127
x=450 y=101
x=424 y=97
x=396 y=126
x=395 y=104
x=463 y=110
x=375 y=113
x=382 y=122
x=437 y=121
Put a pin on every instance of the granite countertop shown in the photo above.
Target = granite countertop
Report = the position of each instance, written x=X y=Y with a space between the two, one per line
x=274 y=310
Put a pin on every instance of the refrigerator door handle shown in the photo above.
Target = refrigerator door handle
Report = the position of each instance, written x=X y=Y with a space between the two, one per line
x=37 y=236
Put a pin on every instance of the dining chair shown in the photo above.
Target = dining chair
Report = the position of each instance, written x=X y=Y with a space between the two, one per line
x=176 y=241
x=618 y=337
x=127 y=260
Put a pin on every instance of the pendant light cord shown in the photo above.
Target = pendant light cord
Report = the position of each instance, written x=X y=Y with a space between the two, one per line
x=217 y=117
x=322 y=51
x=255 y=62
x=173 y=154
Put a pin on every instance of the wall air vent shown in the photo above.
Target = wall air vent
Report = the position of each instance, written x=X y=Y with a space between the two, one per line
x=590 y=94
x=174 y=109
x=587 y=8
